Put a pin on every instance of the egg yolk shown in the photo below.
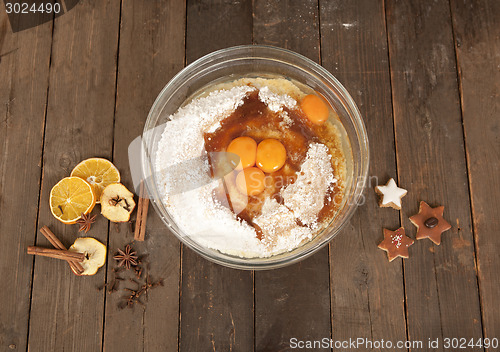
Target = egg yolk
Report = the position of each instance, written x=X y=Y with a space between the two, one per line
x=315 y=109
x=271 y=155
x=246 y=149
x=251 y=181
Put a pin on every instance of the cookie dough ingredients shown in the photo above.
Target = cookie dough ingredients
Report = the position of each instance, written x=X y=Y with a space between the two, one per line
x=315 y=109
x=71 y=197
x=94 y=251
x=396 y=244
x=117 y=203
x=245 y=148
x=98 y=172
x=263 y=207
x=390 y=195
x=271 y=155
x=430 y=223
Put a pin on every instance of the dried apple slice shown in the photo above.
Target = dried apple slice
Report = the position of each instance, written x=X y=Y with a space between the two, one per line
x=117 y=203
x=94 y=251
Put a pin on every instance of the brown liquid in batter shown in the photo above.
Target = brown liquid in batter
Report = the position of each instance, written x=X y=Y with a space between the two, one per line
x=254 y=119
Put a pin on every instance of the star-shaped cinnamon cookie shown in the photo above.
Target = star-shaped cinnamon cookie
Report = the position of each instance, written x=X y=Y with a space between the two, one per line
x=390 y=194
x=430 y=223
x=396 y=243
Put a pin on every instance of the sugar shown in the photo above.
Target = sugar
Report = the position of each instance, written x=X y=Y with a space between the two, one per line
x=181 y=164
x=182 y=141
x=286 y=120
x=280 y=229
x=211 y=224
x=275 y=102
x=313 y=181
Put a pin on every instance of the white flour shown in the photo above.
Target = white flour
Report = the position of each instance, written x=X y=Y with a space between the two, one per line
x=276 y=102
x=313 y=181
x=180 y=166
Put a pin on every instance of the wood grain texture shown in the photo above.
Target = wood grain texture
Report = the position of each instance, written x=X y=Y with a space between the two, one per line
x=90 y=113
x=292 y=302
x=151 y=51
x=67 y=311
x=288 y=24
x=216 y=302
x=216 y=24
x=24 y=74
x=367 y=289
x=440 y=281
x=477 y=33
x=285 y=304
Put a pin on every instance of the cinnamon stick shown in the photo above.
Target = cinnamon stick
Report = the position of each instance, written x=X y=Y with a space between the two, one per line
x=142 y=214
x=49 y=235
x=56 y=253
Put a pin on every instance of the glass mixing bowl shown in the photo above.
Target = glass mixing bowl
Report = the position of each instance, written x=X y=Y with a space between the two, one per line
x=257 y=60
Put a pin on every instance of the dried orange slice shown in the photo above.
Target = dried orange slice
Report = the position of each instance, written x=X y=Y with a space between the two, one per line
x=71 y=197
x=98 y=172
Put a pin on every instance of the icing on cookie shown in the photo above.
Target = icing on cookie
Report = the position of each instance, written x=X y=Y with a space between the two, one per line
x=390 y=194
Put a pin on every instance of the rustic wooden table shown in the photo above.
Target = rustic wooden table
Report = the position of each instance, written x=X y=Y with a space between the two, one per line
x=426 y=77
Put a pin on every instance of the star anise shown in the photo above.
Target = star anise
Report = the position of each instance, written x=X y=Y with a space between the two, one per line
x=85 y=222
x=126 y=258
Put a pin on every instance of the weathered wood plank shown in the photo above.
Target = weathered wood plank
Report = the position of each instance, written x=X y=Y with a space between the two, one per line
x=283 y=295
x=67 y=311
x=367 y=290
x=477 y=33
x=24 y=76
x=216 y=302
x=440 y=281
x=151 y=51
x=213 y=25
x=288 y=24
